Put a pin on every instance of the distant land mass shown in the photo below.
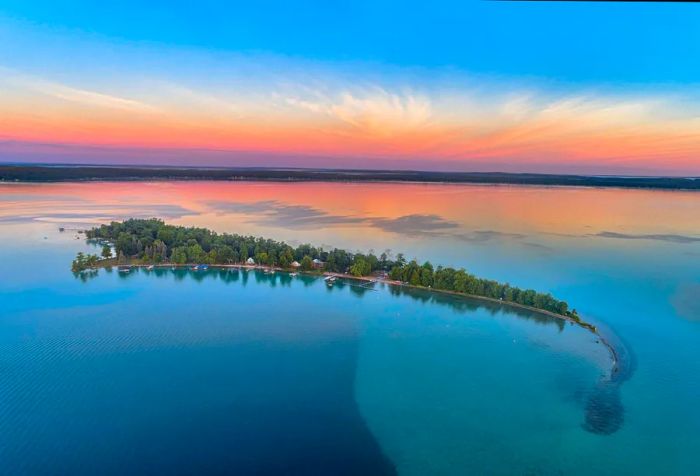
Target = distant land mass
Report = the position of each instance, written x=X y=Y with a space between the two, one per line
x=71 y=173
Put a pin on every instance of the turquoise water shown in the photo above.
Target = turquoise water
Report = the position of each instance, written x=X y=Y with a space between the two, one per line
x=177 y=372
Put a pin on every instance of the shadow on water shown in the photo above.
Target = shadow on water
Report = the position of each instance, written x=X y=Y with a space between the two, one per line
x=603 y=409
x=290 y=409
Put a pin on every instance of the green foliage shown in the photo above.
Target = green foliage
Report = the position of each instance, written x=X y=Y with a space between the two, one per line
x=106 y=252
x=458 y=280
x=360 y=267
x=83 y=262
x=154 y=241
x=307 y=263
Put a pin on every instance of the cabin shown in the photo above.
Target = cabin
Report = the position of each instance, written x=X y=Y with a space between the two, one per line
x=295 y=264
x=318 y=263
x=250 y=261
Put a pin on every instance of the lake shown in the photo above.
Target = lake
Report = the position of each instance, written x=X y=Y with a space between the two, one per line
x=182 y=372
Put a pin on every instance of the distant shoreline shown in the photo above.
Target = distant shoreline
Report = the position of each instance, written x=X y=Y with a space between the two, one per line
x=78 y=173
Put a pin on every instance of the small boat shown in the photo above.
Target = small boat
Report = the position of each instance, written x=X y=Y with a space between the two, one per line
x=329 y=279
x=173 y=268
x=203 y=267
x=293 y=274
x=124 y=269
x=150 y=268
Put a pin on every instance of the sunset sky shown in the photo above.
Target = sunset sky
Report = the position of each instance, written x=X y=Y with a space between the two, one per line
x=602 y=88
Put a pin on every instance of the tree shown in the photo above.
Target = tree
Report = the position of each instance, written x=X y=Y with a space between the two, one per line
x=91 y=261
x=179 y=255
x=400 y=260
x=225 y=254
x=106 y=252
x=262 y=258
x=195 y=253
x=78 y=263
x=125 y=244
x=426 y=274
x=83 y=262
x=360 y=267
x=384 y=260
x=284 y=260
x=307 y=263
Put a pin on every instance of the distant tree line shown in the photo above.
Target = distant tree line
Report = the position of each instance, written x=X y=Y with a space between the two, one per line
x=54 y=173
x=153 y=241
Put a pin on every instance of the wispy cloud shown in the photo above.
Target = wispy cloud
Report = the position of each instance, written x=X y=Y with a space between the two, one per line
x=71 y=94
x=375 y=111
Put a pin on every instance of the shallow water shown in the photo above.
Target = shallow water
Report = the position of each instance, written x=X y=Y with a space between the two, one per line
x=216 y=371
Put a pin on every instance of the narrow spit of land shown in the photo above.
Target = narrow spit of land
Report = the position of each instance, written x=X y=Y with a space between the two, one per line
x=151 y=243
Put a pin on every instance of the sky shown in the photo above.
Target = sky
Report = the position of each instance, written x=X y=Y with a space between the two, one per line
x=556 y=87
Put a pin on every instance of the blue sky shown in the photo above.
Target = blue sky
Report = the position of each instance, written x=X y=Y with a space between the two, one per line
x=589 y=41
x=592 y=87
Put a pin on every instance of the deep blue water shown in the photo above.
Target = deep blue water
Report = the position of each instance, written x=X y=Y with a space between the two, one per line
x=182 y=372
x=243 y=373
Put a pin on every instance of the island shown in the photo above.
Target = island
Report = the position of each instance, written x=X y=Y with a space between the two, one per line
x=151 y=242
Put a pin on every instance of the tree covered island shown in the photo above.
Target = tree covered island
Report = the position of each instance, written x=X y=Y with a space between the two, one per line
x=151 y=241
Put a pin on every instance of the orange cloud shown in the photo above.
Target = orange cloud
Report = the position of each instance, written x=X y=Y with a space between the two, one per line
x=337 y=119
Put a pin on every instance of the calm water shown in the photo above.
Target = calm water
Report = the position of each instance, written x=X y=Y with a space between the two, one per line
x=180 y=372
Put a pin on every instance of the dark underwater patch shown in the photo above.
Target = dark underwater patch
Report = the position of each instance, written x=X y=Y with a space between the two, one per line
x=604 y=413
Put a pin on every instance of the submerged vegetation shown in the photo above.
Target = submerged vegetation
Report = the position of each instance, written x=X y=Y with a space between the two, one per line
x=152 y=241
